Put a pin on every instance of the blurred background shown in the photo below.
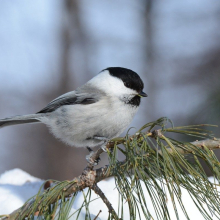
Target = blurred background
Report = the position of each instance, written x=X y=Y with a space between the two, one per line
x=53 y=46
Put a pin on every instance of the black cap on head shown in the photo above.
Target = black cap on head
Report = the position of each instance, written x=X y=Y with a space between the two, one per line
x=130 y=78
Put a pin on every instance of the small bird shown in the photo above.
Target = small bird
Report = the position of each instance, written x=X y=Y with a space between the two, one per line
x=94 y=113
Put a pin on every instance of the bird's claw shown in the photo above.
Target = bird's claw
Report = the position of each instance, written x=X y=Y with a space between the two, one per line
x=89 y=157
x=104 y=148
x=106 y=140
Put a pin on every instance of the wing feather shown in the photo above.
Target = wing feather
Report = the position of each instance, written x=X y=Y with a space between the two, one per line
x=70 y=98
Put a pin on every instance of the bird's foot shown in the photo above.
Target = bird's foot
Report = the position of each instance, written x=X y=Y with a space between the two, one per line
x=105 y=140
x=89 y=157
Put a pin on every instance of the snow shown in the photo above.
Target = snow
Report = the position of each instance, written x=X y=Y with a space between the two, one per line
x=17 y=177
x=109 y=189
x=16 y=186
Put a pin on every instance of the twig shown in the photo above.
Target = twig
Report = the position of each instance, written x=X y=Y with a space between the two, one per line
x=98 y=191
x=97 y=215
x=96 y=155
x=90 y=177
x=212 y=144
x=87 y=179
x=93 y=158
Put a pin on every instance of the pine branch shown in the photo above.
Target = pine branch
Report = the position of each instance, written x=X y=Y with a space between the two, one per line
x=90 y=176
x=97 y=215
x=211 y=144
x=98 y=191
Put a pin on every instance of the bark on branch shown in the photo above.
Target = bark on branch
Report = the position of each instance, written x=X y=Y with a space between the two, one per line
x=98 y=191
x=90 y=177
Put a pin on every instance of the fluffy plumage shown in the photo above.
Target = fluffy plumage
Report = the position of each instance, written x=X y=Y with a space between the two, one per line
x=103 y=107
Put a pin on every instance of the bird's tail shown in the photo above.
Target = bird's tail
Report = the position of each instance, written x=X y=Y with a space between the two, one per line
x=20 y=119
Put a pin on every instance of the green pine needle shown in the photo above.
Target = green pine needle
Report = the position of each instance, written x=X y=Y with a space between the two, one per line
x=159 y=166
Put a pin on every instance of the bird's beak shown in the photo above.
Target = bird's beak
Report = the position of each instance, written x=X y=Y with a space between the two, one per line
x=142 y=94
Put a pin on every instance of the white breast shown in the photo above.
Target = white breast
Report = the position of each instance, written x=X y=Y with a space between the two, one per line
x=76 y=125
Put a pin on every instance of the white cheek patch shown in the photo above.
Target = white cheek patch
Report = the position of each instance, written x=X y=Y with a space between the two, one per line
x=111 y=85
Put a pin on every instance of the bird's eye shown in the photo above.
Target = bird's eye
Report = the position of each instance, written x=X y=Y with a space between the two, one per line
x=127 y=84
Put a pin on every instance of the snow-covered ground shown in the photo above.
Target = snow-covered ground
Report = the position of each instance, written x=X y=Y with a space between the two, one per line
x=16 y=186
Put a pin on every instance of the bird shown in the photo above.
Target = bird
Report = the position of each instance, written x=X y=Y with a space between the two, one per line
x=94 y=113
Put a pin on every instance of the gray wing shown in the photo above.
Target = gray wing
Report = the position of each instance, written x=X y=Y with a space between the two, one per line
x=71 y=98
